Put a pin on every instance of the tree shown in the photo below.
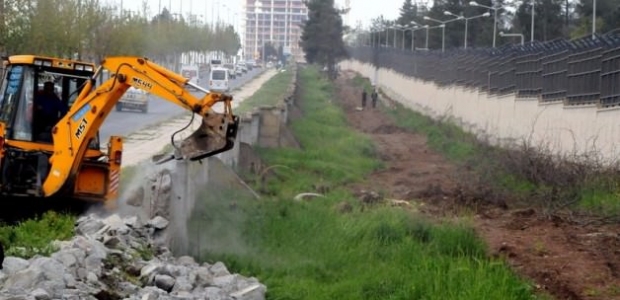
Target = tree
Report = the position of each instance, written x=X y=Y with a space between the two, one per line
x=607 y=12
x=479 y=31
x=549 y=21
x=322 y=35
x=408 y=14
x=90 y=30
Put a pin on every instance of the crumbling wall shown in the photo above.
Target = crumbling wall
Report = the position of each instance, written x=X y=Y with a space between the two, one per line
x=172 y=188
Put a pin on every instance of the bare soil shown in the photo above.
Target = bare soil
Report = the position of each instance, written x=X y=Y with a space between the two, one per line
x=562 y=258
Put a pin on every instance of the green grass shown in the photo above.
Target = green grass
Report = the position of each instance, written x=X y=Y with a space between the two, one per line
x=270 y=94
x=34 y=236
x=311 y=250
x=597 y=192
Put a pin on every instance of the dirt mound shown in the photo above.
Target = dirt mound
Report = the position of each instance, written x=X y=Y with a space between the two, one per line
x=568 y=259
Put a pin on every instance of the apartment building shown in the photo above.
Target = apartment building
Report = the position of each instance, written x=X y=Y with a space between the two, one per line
x=275 y=21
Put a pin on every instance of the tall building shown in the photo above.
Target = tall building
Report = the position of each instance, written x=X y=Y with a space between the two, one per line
x=275 y=21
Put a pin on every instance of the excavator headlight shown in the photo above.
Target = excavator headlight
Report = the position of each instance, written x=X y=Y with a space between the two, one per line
x=89 y=68
x=79 y=67
x=43 y=62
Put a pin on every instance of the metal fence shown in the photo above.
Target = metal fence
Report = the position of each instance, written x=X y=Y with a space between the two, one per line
x=576 y=72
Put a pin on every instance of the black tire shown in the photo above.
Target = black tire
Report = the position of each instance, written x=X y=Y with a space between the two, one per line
x=119 y=107
x=145 y=109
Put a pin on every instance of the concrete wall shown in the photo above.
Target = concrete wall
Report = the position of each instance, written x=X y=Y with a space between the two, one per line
x=263 y=127
x=506 y=119
x=170 y=189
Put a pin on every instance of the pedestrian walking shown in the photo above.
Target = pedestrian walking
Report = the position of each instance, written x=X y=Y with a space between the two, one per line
x=374 y=97
x=364 y=95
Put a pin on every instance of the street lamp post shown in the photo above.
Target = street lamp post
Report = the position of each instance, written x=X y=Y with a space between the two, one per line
x=413 y=26
x=401 y=29
x=413 y=30
x=257 y=9
x=394 y=43
x=443 y=29
x=593 y=18
x=387 y=36
x=486 y=14
x=427 y=28
x=513 y=35
x=495 y=9
x=533 y=13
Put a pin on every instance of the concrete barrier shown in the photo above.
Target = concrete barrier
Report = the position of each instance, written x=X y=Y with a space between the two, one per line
x=264 y=127
x=566 y=130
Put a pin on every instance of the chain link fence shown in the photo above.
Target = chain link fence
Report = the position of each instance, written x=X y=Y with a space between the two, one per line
x=584 y=71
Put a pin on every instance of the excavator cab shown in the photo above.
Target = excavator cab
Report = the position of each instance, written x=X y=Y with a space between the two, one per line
x=36 y=93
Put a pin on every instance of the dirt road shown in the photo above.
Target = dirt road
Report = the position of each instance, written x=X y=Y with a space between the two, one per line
x=565 y=259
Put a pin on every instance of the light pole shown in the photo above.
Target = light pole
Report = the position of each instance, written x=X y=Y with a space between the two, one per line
x=593 y=19
x=402 y=29
x=387 y=35
x=513 y=35
x=484 y=15
x=413 y=30
x=427 y=28
x=395 y=28
x=412 y=26
x=443 y=29
x=257 y=9
x=495 y=9
x=533 y=13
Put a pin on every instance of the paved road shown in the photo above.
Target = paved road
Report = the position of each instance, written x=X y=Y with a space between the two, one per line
x=125 y=122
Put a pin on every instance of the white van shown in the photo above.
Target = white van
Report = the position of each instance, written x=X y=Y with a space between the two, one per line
x=192 y=72
x=218 y=80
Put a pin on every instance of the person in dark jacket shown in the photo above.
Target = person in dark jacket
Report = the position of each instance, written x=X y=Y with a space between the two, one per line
x=364 y=95
x=374 y=97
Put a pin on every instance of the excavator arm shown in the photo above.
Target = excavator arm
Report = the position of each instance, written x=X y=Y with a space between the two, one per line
x=74 y=131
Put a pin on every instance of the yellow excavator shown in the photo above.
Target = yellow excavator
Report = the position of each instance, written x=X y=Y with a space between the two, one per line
x=51 y=110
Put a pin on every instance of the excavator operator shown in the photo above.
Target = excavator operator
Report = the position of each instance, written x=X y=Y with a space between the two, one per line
x=48 y=109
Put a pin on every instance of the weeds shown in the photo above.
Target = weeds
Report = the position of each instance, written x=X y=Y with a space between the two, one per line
x=521 y=175
x=35 y=236
x=313 y=250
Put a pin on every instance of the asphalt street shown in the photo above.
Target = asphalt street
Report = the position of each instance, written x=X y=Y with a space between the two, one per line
x=125 y=122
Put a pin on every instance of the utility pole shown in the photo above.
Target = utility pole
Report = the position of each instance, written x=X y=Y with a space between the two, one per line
x=593 y=19
x=533 y=13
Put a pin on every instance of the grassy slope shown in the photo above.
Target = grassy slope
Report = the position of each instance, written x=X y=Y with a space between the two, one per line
x=309 y=250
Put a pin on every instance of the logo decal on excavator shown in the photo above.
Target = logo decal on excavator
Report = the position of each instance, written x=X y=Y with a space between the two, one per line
x=141 y=83
x=80 y=113
x=80 y=130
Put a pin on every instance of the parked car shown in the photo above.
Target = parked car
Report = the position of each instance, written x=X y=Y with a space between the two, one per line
x=134 y=99
x=231 y=71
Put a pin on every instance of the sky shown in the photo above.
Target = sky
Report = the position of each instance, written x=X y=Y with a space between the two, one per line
x=361 y=10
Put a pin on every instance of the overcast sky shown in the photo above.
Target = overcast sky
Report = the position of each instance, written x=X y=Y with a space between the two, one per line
x=361 y=10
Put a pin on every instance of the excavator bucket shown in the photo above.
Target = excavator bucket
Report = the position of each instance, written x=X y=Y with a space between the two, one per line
x=216 y=134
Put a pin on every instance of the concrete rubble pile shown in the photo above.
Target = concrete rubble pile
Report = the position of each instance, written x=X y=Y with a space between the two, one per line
x=116 y=258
